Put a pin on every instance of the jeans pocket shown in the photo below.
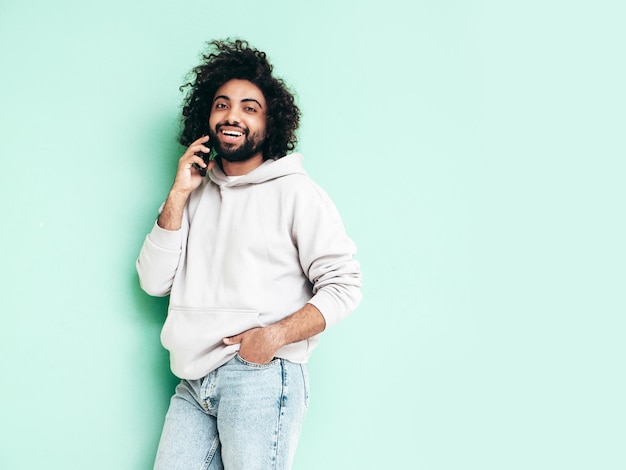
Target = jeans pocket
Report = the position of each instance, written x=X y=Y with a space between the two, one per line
x=305 y=382
x=256 y=365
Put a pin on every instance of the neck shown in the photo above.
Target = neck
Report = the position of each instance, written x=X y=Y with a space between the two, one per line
x=242 y=168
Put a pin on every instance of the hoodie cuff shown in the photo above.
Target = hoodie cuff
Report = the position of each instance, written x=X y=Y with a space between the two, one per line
x=166 y=239
x=327 y=307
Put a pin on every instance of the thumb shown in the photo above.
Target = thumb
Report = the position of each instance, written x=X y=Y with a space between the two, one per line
x=232 y=340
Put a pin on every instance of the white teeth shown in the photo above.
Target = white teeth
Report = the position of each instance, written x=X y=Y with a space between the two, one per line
x=232 y=133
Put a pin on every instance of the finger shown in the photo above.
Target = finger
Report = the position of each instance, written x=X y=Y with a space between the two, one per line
x=195 y=150
x=202 y=148
x=201 y=140
x=188 y=161
x=232 y=340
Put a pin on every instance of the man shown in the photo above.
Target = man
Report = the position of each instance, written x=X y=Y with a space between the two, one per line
x=257 y=264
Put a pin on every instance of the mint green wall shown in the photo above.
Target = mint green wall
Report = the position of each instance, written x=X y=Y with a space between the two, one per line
x=476 y=151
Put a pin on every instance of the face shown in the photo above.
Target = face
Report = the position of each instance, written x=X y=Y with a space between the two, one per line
x=237 y=122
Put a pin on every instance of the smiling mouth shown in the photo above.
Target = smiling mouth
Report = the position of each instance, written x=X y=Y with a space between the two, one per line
x=231 y=133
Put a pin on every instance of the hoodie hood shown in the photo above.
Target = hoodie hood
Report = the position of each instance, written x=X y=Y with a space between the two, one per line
x=270 y=169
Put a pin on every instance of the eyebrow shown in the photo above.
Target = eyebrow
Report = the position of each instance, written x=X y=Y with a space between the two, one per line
x=245 y=100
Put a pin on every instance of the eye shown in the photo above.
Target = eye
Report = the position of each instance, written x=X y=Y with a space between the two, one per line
x=250 y=109
x=220 y=106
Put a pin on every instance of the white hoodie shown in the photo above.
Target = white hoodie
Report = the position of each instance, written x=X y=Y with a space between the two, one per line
x=250 y=252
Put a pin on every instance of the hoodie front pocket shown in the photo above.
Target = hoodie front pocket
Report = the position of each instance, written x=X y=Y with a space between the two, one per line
x=194 y=332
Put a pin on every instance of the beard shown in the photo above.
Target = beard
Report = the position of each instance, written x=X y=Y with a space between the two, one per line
x=250 y=147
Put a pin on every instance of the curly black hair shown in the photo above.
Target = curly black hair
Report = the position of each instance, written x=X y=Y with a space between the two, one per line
x=225 y=60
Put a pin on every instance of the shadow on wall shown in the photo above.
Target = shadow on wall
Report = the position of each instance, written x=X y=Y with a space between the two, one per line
x=157 y=168
x=159 y=153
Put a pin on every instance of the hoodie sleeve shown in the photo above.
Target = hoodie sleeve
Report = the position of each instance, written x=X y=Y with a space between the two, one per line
x=327 y=256
x=159 y=259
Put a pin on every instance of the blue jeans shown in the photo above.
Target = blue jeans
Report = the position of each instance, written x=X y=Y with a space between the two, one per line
x=240 y=416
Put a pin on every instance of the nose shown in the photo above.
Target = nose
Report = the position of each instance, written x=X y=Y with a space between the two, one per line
x=233 y=116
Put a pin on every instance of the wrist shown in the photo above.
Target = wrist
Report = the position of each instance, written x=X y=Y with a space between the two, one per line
x=179 y=194
x=278 y=334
